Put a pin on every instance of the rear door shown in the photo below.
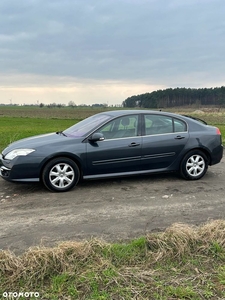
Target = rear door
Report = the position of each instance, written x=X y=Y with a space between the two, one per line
x=163 y=139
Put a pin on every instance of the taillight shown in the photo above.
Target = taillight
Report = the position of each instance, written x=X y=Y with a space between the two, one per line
x=218 y=131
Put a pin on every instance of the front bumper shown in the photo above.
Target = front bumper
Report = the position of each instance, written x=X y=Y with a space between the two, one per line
x=4 y=172
x=19 y=169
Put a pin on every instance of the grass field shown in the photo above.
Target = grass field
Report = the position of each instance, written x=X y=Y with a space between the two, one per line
x=181 y=263
x=19 y=122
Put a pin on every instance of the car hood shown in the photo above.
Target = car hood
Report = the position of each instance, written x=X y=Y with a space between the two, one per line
x=38 y=141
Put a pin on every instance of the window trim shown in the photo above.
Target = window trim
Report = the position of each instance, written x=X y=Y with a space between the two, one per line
x=162 y=115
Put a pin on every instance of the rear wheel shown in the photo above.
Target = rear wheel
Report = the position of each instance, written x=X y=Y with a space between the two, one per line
x=60 y=174
x=194 y=165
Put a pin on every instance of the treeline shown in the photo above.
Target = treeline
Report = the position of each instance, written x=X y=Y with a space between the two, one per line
x=178 y=97
x=59 y=105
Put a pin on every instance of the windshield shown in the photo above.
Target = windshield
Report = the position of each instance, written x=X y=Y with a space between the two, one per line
x=84 y=127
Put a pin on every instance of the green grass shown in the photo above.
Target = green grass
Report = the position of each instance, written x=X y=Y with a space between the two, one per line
x=20 y=122
x=183 y=262
x=17 y=122
x=14 y=128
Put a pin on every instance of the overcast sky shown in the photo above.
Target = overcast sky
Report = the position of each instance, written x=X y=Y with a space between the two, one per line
x=103 y=51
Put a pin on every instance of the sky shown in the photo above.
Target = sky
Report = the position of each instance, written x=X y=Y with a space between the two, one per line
x=103 y=51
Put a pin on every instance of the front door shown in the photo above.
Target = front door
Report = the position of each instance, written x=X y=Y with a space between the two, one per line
x=119 y=152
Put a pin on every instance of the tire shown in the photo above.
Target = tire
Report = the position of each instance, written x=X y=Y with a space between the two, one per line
x=60 y=174
x=194 y=165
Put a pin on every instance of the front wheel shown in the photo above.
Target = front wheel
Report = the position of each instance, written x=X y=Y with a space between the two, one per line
x=60 y=174
x=194 y=165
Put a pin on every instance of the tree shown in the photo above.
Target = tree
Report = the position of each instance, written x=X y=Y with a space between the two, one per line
x=177 y=97
x=71 y=104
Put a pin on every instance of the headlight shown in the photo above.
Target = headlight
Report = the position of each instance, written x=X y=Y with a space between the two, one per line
x=18 y=152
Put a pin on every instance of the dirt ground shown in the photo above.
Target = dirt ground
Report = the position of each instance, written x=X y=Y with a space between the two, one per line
x=113 y=210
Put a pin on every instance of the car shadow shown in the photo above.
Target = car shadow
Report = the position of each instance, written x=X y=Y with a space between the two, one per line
x=13 y=188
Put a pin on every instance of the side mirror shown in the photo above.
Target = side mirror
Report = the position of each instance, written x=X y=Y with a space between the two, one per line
x=96 y=137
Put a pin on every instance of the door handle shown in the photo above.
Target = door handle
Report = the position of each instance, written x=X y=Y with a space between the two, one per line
x=134 y=144
x=179 y=137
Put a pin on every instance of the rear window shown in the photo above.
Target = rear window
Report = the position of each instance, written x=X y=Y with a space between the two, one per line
x=196 y=119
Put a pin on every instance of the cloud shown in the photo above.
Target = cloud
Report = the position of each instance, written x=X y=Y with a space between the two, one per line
x=143 y=42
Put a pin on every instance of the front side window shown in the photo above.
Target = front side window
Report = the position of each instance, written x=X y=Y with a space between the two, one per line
x=122 y=127
x=159 y=124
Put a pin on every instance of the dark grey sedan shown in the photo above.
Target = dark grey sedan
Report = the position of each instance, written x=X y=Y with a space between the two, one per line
x=111 y=144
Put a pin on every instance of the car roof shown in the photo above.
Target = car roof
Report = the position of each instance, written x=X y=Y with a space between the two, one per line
x=115 y=113
x=121 y=112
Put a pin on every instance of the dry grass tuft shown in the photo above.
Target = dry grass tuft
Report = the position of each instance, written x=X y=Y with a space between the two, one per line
x=182 y=239
x=39 y=263
x=213 y=231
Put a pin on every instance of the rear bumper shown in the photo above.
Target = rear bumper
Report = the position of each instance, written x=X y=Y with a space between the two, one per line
x=217 y=155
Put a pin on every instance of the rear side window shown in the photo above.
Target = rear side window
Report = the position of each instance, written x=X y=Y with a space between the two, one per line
x=179 y=126
x=159 y=124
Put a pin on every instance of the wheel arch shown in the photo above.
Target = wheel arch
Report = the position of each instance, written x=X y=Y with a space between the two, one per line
x=194 y=169
x=65 y=155
x=204 y=150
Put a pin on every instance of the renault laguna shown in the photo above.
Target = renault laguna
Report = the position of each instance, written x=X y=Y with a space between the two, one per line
x=112 y=144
